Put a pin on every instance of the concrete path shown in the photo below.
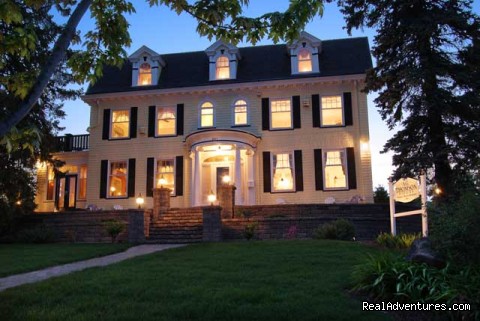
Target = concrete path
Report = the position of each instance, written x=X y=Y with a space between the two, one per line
x=40 y=275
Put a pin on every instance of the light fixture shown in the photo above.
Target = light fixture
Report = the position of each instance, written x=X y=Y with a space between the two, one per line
x=364 y=146
x=19 y=202
x=226 y=179
x=140 y=200
x=438 y=190
x=211 y=197
x=162 y=181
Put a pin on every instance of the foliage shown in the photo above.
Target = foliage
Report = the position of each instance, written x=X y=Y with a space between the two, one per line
x=250 y=229
x=242 y=213
x=380 y=195
x=455 y=228
x=399 y=241
x=38 y=234
x=114 y=228
x=426 y=76
x=389 y=277
x=339 y=229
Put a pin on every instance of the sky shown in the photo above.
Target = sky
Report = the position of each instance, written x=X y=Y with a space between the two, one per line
x=165 y=32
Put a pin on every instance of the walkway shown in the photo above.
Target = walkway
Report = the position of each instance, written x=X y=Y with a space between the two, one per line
x=40 y=275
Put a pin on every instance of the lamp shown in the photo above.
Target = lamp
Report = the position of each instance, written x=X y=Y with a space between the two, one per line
x=140 y=200
x=438 y=190
x=211 y=197
x=162 y=181
x=226 y=179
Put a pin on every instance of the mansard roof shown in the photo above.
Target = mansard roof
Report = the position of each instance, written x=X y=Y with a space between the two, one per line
x=262 y=63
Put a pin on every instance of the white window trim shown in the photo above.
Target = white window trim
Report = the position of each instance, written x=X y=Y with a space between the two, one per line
x=156 y=121
x=324 y=151
x=247 y=112
x=200 y=114
x=271 y=118
x=174 y=159
x=109 y=174
x=272 y=172
x=111 y=123
x=343 y=111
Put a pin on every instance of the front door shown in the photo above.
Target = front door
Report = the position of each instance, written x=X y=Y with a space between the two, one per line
x=221 y=172
x=66 y=192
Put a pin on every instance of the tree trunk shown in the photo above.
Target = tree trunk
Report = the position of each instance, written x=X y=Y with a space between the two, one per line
x=58 y=55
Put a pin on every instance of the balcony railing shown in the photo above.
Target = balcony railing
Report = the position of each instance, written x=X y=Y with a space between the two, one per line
x=69 y=143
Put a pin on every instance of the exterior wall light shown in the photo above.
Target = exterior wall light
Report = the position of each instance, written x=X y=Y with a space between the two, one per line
x=140 y=200
x=364 y=146
x=226 y=179
x=162 y=181
x=211 y=197
x=438 y=190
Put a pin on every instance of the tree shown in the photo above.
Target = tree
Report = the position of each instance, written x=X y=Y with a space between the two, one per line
x=105 y=44
x=427 y=79
x=380 y=195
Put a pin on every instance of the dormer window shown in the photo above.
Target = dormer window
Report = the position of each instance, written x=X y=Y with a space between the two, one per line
x=145 y=74
x=222 y=68
x=304 y=60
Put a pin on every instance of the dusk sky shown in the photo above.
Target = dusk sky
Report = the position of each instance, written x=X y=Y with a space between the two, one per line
x=165 y=32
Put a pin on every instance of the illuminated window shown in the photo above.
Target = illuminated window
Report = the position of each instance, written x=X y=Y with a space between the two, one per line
x=332 y=111
x=165 y=176
x=82 y=183
x=206 y=115
x=335 y=169
x=120 y=124
x=222 y=68
x=145 y=74
x=240 y=112
x=117 y=180
x=50 y=183
x=281 y=114
x=282 y=172
x=304 y=61
x=166 y=121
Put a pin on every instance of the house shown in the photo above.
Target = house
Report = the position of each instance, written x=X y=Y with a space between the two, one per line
x=283 y=123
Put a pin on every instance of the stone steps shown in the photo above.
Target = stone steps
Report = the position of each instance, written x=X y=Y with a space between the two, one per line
x=177 y=226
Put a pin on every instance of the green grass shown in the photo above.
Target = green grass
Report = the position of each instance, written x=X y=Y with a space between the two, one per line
x=283 y=280
x=19 y=258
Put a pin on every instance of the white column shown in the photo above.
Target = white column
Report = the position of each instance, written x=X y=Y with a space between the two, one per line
x=196 y=188
x=238 y=177
x=250 y=178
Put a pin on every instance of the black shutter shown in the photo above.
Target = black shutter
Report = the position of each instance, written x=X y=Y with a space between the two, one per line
x=150 y=173
x=297 y=123
x=180 y=119
x=317 y=159
x=265 y=114
x=179 y=176
x=131 y=177
x=347 y=106
x=103 y=178
x=106 y=124
x=267 y=176
x=151 y=121
x=133 y=122
x=316 y=110
x=298 y=170
x=352 y=175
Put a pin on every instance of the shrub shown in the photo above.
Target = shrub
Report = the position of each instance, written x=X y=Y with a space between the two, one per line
x=38 y=234
x=250 y=229
x=114 y=228
x=340 y=229
x=399 y=241
x=242 y=213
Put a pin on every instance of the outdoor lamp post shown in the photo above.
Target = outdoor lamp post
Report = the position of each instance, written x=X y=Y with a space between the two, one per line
x=226 y=179
x=162 y=181
x=211 y=197
x=140 y=200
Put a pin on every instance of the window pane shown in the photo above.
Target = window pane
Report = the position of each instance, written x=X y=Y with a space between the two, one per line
x=332 y=111
x=118 y=179
x=281 y=114
x=206 y=115
x=240 y=118
x=120 y=124
x=223 y=68
x=335 y=173
x=50 y=183
x=207 y=121
x=165 y=174
x=82 y=190
x=145 y=74
x=240 y=112
x=304 y=61
x=166 y=122
x=282 y=172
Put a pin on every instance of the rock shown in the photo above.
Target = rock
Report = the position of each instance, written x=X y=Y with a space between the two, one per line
x=422 y=252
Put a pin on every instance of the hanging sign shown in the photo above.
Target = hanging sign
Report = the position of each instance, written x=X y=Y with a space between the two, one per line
x=406 y=190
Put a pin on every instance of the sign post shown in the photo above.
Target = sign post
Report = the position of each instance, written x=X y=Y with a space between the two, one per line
x=406 y=190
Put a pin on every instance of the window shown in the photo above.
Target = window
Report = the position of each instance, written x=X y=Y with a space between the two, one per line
x=332 y=111
x=283 y=179
x=82 y=183
x=50 y=183
x=222 y=68
x=165 y=174
x=120 y=124
x=304 y=61
x=117 y=180
x=281 y=112
x=240 y=112
x=335 y=169
x=206 y=115
x=166 y=121
x=145 y=74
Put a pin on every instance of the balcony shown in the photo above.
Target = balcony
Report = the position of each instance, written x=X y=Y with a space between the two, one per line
x=70 y=143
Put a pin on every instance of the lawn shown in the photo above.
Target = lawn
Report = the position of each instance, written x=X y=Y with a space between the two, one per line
x=283 y=280
x=19 y=258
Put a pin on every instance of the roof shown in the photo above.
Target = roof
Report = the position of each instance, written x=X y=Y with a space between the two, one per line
x=263 y=63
